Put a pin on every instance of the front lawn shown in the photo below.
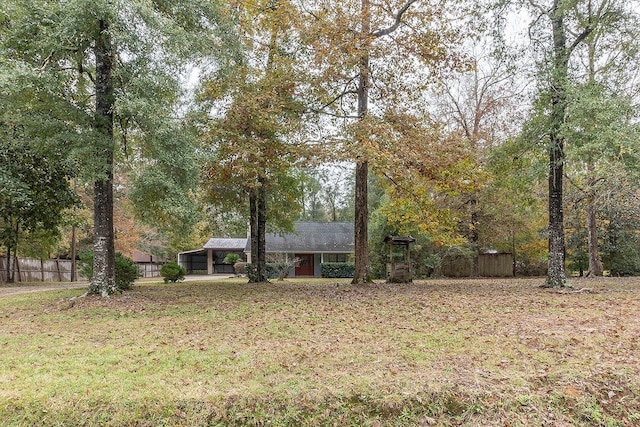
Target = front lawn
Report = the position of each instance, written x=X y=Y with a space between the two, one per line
x=324 y=352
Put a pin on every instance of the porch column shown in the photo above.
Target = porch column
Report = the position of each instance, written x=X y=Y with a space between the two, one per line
x=209 y=261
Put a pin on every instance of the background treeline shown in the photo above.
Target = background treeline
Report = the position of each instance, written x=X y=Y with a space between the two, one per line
x=450 y=121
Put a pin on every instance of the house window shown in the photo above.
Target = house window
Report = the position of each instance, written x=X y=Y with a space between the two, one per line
x=335 y=257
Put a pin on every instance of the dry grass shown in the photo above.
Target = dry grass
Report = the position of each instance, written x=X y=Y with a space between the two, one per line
x=468 y=352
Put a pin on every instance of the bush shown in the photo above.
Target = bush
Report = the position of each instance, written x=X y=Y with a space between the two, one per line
x=231 y=258
x=126 y=270
x=240 y=268
x=172 y=272
x=274 y=270
x=337 y=269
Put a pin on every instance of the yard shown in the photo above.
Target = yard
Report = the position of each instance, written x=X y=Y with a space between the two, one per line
x=323 y=352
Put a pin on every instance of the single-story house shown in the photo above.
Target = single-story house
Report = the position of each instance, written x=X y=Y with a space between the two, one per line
x=311 y=244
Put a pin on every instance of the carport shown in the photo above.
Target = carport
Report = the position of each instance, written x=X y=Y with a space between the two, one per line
x=209 y=259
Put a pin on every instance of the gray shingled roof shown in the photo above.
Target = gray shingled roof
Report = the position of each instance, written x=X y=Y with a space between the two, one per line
x=226 y=244
x=312 y=237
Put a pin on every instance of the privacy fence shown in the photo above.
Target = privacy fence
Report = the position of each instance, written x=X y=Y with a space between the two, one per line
x=38 y=270
x=489 y=265
x=56 y=270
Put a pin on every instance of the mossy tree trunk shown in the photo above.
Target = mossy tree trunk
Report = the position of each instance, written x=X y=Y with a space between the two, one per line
x=103 y=281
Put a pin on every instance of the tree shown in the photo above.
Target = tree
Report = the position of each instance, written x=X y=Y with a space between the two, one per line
x=34 y=192
x=569 y=27
x=366 y=52
x=600 y=115
x=257 y=113
x=618 y=207
x=514 y=217
x=567 y=46
x=426 y=168
x=105 y=73
x=327 y=193
x=481 y=108
x=599 y=124
x=312 y=187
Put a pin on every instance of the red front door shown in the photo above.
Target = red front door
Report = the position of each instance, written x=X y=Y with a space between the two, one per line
x=304 y=267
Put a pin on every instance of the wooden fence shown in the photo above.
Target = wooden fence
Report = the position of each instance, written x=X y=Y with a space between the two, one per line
x=37 y=270
x=56 y=270
x=495 y=265
x=489 y=265
x=149 y=270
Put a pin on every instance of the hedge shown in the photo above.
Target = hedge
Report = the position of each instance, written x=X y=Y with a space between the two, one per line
x=337 y=269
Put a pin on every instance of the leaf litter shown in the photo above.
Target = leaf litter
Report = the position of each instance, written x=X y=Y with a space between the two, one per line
x=467 y=352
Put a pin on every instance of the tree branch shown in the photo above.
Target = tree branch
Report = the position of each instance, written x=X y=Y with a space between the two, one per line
x=580 y=38
x=47 y=61
x=338 y=97
x=396 y=24
x=542 y=10
x=601 y=14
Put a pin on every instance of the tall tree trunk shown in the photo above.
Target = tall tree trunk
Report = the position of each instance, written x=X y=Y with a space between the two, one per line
x=595 y=264
x=74 y=267
x=262 y=230
x=253 y=232
x=474 y=236
x=257 y=225
x=103 y=281
x=361 y=274
x=361 y=222
x=556 y=276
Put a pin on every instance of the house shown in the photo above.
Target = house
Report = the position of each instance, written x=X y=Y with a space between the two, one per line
x=311 y=244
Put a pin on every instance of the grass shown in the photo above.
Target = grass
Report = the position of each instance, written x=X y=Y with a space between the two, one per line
x=464 y=352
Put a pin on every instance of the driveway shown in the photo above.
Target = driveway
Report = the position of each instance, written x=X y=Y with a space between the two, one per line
x=13 y=289
x=8 y=289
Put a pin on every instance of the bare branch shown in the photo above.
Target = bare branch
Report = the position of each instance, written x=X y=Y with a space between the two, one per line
x=307 y=10
x=47 y=61
x=592 y=22
x=542 y=10
x=338 y=97
x=396 y=24
x=580 y=38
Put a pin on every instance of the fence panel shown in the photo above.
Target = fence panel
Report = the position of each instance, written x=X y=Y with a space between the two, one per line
x=149 y=270
x=495 y=265
x=56 y=270
x=36 y=270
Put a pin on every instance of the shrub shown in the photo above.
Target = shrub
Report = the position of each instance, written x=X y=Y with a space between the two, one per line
x=172 y=272
x=126 y=270
x=240 y=267
x=274 y=269
x=457 y=261
x=231 y=258
x=337 y=269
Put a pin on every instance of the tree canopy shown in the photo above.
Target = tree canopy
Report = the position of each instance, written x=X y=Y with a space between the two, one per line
x=107 y=74
x=203 y=116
